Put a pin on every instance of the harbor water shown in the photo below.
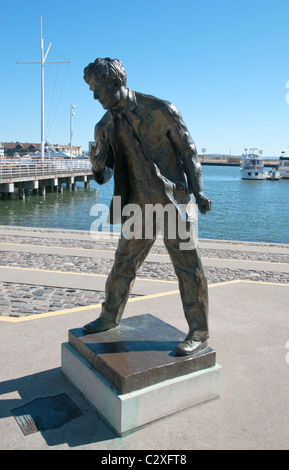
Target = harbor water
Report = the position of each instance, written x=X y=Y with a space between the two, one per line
x=242 y=210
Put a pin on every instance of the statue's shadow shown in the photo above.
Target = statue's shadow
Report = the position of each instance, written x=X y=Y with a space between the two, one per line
x=88 y=428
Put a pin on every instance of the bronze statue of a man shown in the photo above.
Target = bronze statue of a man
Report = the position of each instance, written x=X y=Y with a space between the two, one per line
x=144 y=143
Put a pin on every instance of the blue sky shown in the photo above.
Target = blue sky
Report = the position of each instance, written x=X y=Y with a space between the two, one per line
x=224 y=64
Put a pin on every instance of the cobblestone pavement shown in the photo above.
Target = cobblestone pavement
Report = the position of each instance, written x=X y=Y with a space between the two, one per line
x=21 y=299
x=25 y=299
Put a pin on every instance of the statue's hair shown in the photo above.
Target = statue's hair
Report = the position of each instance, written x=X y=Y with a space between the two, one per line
x=104 y=70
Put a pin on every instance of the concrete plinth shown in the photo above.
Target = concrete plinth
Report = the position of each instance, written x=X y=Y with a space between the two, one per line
x=132 y=376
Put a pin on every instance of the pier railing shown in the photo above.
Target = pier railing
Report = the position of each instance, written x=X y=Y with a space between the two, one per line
x=20 y=170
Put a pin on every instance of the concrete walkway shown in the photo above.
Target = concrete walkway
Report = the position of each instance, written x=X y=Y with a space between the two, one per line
x=249 y=323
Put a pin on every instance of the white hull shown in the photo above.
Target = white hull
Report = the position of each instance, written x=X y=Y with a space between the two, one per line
x=274 y=175
x=251 y=175
x=284 y=174
x=283 y=168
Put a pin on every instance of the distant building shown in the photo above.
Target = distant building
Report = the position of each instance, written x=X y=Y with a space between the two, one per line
x=19 y=148
x=236 y=160
x=219 y=158
x=215 y=157
x=1 y=151
x=12 y=148
x=75 y=150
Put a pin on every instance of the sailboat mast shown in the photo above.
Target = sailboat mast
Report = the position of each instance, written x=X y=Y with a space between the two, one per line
x=42 y=62
x=42 y=90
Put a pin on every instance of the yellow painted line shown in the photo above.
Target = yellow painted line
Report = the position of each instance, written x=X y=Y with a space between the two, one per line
x=49 y=314
x=135 y=299
x=79 y=309
x=79 y=274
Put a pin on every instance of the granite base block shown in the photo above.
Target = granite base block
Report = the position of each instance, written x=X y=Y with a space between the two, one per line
x=132 y=378
x=124 y=413
x=138 y=353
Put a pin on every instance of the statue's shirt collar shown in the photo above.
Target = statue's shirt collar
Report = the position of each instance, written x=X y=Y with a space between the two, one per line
x=128 y=104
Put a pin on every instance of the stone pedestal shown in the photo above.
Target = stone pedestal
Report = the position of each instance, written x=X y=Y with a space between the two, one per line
x=132 y=376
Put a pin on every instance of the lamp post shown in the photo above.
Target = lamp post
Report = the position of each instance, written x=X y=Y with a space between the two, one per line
x=71 y=114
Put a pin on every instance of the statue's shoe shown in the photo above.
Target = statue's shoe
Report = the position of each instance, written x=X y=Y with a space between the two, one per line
x=189 y=346
x=98 y=325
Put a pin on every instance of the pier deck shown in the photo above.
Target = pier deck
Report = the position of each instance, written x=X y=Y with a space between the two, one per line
x=33 y=175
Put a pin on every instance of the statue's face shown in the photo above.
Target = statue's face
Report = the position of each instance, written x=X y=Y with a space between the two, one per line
x=108 y=94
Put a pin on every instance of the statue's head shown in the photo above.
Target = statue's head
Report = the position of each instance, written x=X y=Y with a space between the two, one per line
x=105 y=70
x=107 y=79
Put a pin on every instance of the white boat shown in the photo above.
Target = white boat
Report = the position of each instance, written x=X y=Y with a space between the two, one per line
x=51 y=154
x=283 y=167
x=252 y=167
x=274 y=175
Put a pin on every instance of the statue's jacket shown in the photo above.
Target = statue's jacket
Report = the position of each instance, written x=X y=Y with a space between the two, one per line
x=164 y=140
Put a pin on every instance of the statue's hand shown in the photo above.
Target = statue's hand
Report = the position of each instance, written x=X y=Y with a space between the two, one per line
x=98 y=157
x=204 y=204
